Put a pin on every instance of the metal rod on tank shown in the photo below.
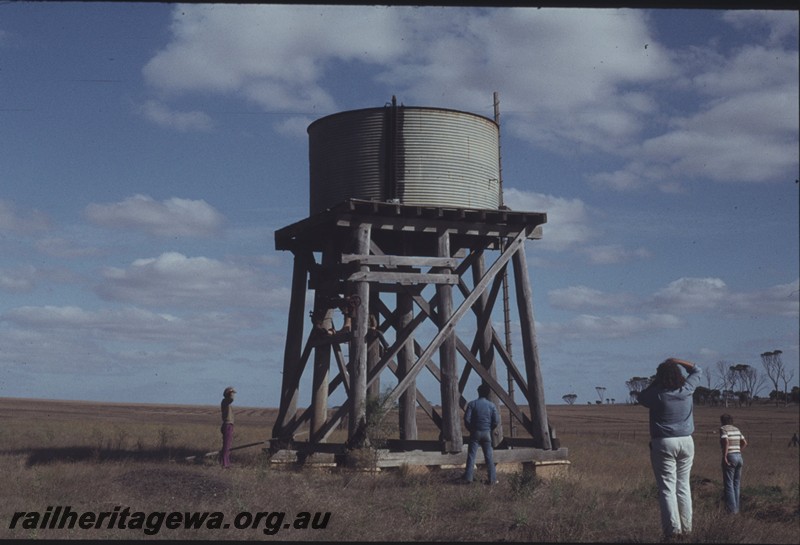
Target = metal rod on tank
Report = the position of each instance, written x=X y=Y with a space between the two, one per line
x=506 y=314
x=496 y=97
x=391 y=152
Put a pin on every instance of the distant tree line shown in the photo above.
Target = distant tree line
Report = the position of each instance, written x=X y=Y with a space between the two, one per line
x=736 y=384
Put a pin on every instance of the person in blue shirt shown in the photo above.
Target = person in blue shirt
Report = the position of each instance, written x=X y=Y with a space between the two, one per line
x=481 y=418
x=669 y=398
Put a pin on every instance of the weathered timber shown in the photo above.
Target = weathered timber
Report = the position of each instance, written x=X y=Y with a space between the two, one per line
x=531 y=352
x=293 y=345
x=484 y=335
x=323 y=317
x=358 y=345
x=386 y=458
x=403 y=278
x=486 y=225
x=405 y=359
x=416 y=453
x=451 y=423
x=400 y=260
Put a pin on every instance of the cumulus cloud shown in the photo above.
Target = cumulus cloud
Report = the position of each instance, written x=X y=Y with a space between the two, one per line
x=189 y=282
x=587 y=80
x=278 y=57
x=566 y=76
x=172 y=217
x=567 y=219
x=692 y=294
x=742 y=123
x=275 y=55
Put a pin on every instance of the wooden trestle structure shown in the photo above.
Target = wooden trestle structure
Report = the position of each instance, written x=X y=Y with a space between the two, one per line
x=369 y=249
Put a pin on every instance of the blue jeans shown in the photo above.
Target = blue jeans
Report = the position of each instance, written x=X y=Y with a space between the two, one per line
x=484 y=439
x=671 y=458
x=732 y=478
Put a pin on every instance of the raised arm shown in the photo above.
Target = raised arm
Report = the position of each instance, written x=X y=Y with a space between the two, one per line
x=683 y=363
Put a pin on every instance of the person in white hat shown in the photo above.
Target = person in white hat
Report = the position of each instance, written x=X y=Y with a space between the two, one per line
x=227 y=426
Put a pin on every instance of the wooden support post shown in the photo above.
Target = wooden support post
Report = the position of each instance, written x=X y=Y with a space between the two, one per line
x=484 y=336
x=319 y=392
x=293 y=347
x=405 y=359
x=451 y=421
x=358 y=344
x=374 y=347
x=539 y=431
x=322 y=352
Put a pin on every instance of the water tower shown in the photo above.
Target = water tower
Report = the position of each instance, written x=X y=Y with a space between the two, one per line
x=408 y=238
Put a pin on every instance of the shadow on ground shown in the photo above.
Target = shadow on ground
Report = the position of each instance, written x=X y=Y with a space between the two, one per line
x=42 y=456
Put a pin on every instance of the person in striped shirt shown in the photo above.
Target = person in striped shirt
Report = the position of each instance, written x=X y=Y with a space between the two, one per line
x=732 y=441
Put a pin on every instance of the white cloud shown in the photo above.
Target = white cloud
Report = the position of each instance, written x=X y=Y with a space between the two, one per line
x=189 y=282
x=713 y=295
x=607 y=254
x=592 y=80
x=584 y=297
x=589 y=326
x=294 y=127
x=172 y=217
x=15 y=220
x=279 y=57
x=120 y=337
x=740 y=118
x=781 y=25
x=692 y=294
x=272 y=55
x=686 y=296
x=567 y=219
x=62 y=247
x=565 y=76
x=164 y=116
x=749 y=137
x=783 y=300
x=20 y=281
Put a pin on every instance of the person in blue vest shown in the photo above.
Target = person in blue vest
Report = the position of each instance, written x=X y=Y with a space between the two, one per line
x=481 y=418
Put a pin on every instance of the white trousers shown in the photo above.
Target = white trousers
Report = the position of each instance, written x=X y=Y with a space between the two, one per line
x=672 y=459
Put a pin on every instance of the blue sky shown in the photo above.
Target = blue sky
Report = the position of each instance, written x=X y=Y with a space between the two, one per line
x=149 y=151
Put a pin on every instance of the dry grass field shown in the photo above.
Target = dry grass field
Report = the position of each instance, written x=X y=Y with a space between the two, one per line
x=109 y=458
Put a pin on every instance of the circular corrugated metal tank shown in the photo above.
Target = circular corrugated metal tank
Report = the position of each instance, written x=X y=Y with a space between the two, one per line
x=417 y=156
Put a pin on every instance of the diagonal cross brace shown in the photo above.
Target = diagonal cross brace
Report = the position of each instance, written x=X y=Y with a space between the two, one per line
x=449 y=326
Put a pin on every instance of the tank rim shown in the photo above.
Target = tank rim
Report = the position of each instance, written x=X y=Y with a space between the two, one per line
x=383 y=108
